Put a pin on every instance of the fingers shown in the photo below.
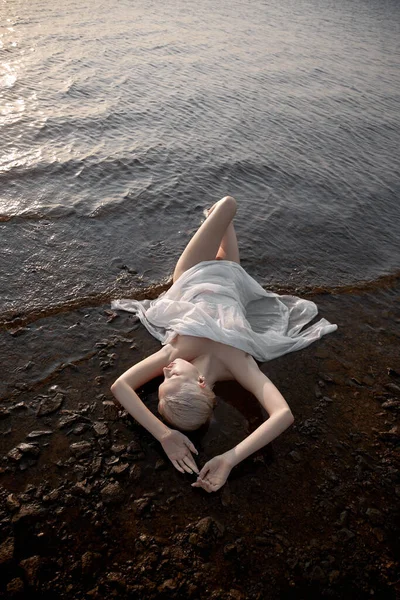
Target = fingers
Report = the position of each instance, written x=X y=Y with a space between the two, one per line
x=209 y=487
x=177 y=466
x=188 y=460
x=191 y=446
x=204 y=471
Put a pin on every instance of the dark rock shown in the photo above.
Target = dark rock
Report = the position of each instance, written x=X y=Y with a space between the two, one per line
x=135 y=473
x=29 y=449
x=393 y=372
x=81 y=488
x=120 y=469
x=29 y=513
x=80 y=428
x=100 y=428
x=160 y=465
x=91 y=562
x=141 y=505
x=167 y=585
x=110 y=411
x=15 y=454
x=15 y=588
x=135 y=450
x=295 y=456
x=112 y=493
x=345 y=535
x=118 y=448
x=393 y=387
x=317 y=574
x=375 y=516
x=12 y=503
x=39 y=433
x=392 y=436
x=31 y=567
x=96 y=465
x=6 y=550
x=392 y=405
x=49 y=405
x=80 y=449
x=4 y=413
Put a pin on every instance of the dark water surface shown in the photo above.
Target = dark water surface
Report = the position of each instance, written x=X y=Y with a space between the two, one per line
x=119 y=124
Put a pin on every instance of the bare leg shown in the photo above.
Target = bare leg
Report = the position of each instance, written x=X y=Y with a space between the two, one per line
x=206 y=242
x=228 y=249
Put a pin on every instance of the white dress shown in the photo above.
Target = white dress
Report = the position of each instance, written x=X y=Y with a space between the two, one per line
x=218 y=300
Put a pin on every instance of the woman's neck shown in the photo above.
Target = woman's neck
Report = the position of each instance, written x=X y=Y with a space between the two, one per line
x=207 y=367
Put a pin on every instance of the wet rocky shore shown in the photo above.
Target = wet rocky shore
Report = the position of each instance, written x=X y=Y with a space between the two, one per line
x=90 y=507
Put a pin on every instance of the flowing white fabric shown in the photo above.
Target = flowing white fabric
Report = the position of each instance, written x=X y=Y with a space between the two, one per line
x=218 y=300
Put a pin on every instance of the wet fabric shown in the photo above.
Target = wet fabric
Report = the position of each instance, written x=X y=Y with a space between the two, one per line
x=220 y=301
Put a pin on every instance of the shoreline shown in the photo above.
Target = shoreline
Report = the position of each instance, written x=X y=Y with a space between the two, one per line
x=92 y=508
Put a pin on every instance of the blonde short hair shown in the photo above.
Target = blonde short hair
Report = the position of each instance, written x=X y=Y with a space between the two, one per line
x=188 y=408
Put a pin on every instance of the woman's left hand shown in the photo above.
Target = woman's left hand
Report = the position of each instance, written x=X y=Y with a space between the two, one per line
x=214 y=473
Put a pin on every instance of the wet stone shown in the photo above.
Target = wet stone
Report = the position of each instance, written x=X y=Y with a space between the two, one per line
x=12 y=503
x=4 y=413
x=31 y=567
x=295 y=456
x=135 y=473
x=80 y=449
x=90 y=562
x=110 y=411
x=29 y=513
x=49 y=405
x=141 y=505
x=100 y=428
x=118 y=448
x=120 y=469
x=6 y=551
x=135 y=450
x=15 y=587
x=112 y=493
x=391 y=404
x=375 y=516
x=345 y=535
x=80 y=428
x=39 y=433
x=29 y=449
x=15 y=454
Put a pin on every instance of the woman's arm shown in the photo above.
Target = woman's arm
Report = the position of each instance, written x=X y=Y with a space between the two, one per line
x=246 y=372
x=123 y=390
x=176 y=445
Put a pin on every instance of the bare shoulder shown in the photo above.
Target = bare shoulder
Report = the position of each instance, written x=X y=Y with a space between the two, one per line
x=236 y=361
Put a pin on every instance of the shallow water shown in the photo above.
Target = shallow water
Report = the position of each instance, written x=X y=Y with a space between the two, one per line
x=119 y=125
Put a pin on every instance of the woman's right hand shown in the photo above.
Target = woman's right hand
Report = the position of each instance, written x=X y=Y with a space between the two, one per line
x=178 y=448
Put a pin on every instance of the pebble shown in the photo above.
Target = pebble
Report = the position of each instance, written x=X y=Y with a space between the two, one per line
x=112 y=493
x=80 y=449
x=29 y=449
x=15 y=588
x=29 y=513
x=100 y=428
x=49 y=405
x=31 y=567
x=295 y=456
x=6 y=550
x=39 y=433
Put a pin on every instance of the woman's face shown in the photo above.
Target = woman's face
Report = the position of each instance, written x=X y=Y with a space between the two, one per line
x=177 y=372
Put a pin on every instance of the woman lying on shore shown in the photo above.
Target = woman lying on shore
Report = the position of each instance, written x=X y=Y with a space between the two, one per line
x=212 y=322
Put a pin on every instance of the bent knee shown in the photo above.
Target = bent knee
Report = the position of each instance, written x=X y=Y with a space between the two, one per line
x=230 y=203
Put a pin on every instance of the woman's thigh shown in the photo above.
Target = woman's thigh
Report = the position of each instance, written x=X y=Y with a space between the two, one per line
x=205 y=243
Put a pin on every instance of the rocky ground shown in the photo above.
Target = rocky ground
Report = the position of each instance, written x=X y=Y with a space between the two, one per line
x=89 y=507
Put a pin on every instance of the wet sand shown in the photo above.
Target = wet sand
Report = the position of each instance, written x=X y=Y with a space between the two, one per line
x=90 y=507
